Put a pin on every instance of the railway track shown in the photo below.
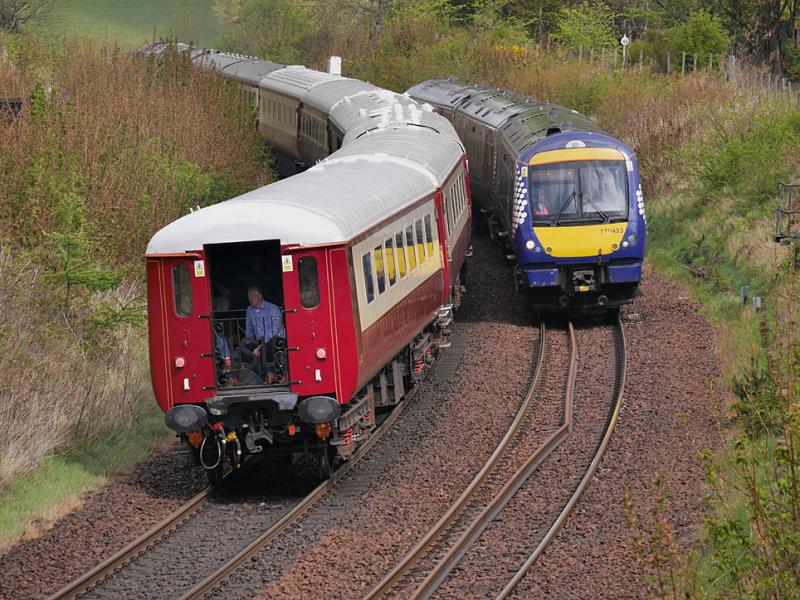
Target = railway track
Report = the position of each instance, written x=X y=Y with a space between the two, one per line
x=446 y=560
x=174 y=520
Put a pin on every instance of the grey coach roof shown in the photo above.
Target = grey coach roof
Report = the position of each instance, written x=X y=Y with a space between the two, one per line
x=251 y=71
x=294 y=80
x=326 y=95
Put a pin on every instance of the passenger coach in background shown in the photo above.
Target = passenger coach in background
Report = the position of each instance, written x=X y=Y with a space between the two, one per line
x=361 y=253
x=563 y=197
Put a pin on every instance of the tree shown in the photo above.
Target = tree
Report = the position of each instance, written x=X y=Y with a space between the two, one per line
x=15 y=13
x=762 y=27
x=590 y=26
x=701 y=34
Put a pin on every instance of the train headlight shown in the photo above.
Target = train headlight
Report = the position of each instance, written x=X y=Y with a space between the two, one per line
x=530 y=245
x=318 y=409
x=633 y=239
x=625 y=244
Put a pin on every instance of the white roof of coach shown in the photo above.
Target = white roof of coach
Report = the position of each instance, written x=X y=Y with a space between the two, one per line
x=331 y=202
x=326 y=95
x=295 y=80
x=373 y=105
x=214 y=59
x=419 y=145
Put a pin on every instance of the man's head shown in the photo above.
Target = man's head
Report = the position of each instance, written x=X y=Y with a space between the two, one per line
x=255 y=296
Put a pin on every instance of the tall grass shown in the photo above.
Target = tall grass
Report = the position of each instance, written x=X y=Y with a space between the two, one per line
x=108 y=149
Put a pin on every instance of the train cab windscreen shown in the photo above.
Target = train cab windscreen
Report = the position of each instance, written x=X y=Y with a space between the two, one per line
x=589 y=191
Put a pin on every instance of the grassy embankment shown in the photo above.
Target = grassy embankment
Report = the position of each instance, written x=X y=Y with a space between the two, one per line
x=107 y=150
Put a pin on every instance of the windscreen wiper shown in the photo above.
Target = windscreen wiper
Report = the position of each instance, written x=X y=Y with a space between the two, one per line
x=554 y=220
x=604 y=216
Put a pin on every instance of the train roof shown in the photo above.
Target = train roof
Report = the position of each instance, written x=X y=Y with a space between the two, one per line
x=494 y=107
x=445 y=91
x=327 y=94
x=360 y=192
x=420 y=145
x=368 y=108
x=216 y=60
x=295 y=80
x=250 y=71
x=534 y=123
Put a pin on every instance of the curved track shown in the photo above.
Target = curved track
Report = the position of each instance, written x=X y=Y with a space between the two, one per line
x=113 y=564
x=619 y=338
x=448 y=559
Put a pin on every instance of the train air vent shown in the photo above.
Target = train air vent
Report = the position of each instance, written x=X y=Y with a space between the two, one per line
x=553 y=130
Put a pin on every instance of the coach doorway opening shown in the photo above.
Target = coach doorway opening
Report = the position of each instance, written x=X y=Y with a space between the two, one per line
x=247 y=313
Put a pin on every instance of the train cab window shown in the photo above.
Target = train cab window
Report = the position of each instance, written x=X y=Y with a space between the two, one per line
x=369 y=285
x=309 y=281
x=401 y=255
x=391 y=268
x=420 y=242
x=428 y=236
x=182 y=288
x=412 y=259
x=380 y=269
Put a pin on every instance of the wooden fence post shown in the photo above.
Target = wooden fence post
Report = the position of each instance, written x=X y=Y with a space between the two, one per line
x=669 y=63
x=615 y=57
x=641 y=59
x=580 y=53
x=732 y=69
x=603 y=55
x=694 y=66
x=710 y=62
x=683 y=64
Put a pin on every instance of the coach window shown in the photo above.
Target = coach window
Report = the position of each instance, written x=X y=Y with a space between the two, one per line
x=182 y=287
x=401 y=255
x=428 y=236
x=366 y=260
x=412 y=259
x=391 y=269
x=380 y=269
x=420 y=242
x=309 y=281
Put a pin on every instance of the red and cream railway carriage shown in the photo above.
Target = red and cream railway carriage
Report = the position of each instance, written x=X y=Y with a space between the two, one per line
x=362 y=254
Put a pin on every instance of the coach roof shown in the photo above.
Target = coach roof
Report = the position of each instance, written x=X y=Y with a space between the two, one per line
x=330 y=203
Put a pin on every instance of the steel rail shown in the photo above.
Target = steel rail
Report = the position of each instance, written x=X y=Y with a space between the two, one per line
x=457 y=551
x=210 y=582
x=89 y=579
x=587 y=477
x=430 y=537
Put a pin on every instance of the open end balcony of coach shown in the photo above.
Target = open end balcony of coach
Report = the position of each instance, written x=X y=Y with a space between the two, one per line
x=248 y=337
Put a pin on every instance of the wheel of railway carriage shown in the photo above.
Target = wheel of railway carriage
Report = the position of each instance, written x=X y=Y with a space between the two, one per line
x=326 y=459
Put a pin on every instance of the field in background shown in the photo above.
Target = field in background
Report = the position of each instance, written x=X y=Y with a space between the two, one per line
x=133 y=23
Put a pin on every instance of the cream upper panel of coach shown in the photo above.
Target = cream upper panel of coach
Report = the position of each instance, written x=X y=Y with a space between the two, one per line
x=326 y=95
x=325 y=205
x=419 y=145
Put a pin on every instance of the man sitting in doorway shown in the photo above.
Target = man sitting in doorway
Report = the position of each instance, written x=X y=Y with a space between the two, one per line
x=264 y=331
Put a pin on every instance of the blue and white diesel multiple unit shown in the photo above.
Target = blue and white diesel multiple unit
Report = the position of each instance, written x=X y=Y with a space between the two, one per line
x=563 y=196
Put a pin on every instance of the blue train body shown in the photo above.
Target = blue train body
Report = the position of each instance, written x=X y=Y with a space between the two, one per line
x=560 y=194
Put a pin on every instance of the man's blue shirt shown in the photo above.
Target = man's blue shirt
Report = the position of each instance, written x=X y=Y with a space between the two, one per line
x=264 y=322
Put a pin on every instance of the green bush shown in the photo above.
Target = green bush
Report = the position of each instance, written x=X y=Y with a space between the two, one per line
x=702 y=34
x=590 y=26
